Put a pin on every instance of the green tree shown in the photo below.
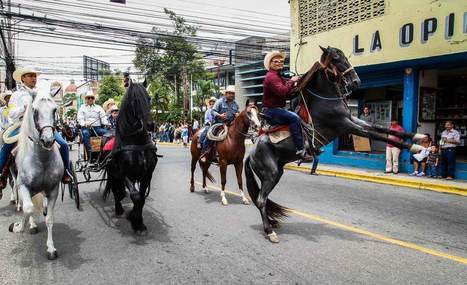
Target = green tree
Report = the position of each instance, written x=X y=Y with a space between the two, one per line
x=169 y=54
x=161 y=93
x=111 y=86
x=71 y=113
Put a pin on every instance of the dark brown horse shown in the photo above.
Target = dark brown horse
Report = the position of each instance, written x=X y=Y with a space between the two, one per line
x=231 y=151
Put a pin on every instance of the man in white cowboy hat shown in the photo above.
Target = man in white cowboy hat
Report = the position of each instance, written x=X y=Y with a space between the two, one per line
x=91 y=115
x=224 y=111
x=17 y=106
x=276 y=91
x=4 y=98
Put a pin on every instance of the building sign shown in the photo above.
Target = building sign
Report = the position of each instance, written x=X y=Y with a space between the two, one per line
x=407 y=30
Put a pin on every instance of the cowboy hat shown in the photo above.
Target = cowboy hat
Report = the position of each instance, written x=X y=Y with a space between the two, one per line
x=113 y=108
x=270 y=55
x=106 y=104
x=4 y=94
x=89 y=94
x=230 y=88
x=22 y=71
x=213 y=99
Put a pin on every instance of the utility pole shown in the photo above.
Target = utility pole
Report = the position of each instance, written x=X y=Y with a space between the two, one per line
x=7 y=46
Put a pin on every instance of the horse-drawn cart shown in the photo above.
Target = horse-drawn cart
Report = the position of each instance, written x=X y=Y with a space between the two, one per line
x=87 y=163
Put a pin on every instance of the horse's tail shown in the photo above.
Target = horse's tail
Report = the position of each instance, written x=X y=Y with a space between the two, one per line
x=274 y=210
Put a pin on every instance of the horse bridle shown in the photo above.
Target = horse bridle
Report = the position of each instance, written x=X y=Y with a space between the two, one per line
x=337 y=73
x=247 y=135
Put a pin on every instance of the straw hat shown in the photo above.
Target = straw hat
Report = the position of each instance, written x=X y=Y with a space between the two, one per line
x=113 y=108
x=22 y=71
x=4 y=94
x=89 y=94
x=106 y=104
x=270 y=55
x=214 y=99
x=230 y=88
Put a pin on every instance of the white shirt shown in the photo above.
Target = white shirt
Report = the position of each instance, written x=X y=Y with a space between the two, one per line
x=93 y=115
x=19 y=100
x=195 y=125
x=3 y=120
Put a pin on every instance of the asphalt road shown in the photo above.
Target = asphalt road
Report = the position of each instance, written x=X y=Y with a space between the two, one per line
x=345 y=232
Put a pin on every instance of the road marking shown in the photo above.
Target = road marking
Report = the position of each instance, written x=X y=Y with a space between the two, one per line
x=364 y=232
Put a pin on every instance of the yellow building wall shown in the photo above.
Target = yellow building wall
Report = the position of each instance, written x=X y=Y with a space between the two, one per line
x=397 y=14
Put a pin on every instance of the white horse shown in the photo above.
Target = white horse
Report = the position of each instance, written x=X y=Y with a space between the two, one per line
x=40 y=166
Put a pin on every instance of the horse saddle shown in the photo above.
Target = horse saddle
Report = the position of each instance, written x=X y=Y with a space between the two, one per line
x=278 y=133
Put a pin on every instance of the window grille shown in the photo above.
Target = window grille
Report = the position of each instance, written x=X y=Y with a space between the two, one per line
x=317 y=16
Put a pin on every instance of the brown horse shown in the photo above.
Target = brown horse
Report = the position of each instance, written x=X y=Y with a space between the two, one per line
x=231 y=151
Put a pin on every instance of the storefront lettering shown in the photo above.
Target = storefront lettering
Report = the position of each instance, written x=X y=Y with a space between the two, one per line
x=407 y=33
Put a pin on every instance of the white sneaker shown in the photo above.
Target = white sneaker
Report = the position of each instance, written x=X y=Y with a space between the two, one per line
x=415 y=173
x=421 y=174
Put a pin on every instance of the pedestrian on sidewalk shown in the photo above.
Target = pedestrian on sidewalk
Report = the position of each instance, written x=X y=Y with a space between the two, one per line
x=450 y=138
x=393 y=152
x=432 y=162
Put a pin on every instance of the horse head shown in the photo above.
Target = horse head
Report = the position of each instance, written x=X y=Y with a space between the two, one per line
x=337 y=66
x=44 y=120
x=135 y=112
x=252 y=114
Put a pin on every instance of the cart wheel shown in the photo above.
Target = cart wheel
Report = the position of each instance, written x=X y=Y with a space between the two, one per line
x=73 y=189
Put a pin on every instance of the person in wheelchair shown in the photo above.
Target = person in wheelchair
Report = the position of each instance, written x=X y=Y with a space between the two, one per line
x=92 y=119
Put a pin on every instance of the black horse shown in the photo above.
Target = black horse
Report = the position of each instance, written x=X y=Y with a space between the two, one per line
x=322 y=92
x=133 y=158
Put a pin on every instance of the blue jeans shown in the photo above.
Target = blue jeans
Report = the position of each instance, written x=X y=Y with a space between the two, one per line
x=432 y=170
x=448 y=162
x=204 y=141
x=279 y=116
x=64 y=150
x=88 y=133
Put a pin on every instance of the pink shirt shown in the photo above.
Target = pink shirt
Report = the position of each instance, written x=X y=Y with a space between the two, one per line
x=396 y=128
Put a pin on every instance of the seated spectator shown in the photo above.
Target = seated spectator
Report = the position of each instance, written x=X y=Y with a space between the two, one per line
x=420 y=158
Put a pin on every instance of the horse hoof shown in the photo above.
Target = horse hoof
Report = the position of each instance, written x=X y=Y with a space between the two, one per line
x=142 y=233
x=19 y=209
x=224 y=202
x=192 y=188
x=272 y=237
x=10 y=228
x=33 y=231
x=12 y=202
x=206 y=191
x=246 y=202
x=52 y=255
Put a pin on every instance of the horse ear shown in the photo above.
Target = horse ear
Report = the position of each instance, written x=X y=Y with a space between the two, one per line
x=247 y=103
x=323 y=49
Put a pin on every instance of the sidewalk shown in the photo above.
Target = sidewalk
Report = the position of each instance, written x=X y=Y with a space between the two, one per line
x=458 y=187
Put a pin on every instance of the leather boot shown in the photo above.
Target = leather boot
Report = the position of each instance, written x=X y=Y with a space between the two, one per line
x=5 y=172
x=304 y=156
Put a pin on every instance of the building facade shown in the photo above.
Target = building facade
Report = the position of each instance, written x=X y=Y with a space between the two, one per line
x=411 y=57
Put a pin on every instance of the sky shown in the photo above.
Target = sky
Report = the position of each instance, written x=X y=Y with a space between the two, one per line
x=215 y=20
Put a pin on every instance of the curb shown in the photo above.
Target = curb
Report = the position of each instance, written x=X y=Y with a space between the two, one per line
x=419 y=185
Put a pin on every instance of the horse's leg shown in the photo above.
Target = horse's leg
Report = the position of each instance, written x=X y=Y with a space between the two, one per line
x=381 y=129
x=204 y=167
x=361 y=131
x=28 y=209
x=238 y=171
x=223 y=169
x=118 y=189
x=193 y=168
x=136 y=214
x=49 y=221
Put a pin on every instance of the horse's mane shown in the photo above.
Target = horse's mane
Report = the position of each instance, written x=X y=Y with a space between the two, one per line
x=308 y=76
x=135 y=106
